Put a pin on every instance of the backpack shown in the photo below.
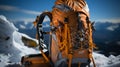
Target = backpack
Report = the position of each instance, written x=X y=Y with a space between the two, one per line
x=71 y=44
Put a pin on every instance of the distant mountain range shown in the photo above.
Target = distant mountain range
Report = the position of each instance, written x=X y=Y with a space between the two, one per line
x=28 y=27
x=106 y=36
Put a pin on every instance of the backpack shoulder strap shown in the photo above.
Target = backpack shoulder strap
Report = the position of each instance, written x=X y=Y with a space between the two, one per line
x=39 y=22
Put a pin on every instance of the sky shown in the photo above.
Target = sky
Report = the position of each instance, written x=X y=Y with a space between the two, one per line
x=27 y=10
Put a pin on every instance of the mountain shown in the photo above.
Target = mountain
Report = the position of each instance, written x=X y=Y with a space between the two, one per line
x=26 y=27
x=107 y=37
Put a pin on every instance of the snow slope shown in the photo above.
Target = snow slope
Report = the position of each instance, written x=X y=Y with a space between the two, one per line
x=12 y=47
x=103 y=61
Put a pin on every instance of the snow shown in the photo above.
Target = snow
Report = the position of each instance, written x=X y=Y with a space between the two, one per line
x=4 y=59
x=103 y=61
x=113 y=27
x=22 y=26
x=11 y=46
x=100 y=60
x=12 y=49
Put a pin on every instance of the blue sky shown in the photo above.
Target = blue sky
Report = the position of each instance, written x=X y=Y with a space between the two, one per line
x=27 y=10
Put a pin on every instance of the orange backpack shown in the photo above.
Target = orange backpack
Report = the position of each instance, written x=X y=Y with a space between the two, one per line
x=71 y=44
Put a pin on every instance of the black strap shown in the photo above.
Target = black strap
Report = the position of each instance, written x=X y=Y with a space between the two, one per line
x=39 y=27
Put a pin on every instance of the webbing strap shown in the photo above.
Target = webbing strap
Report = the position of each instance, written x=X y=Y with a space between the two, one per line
x=45 y=57
x=91 y=44
x=93 y=62
x=70 y=60
x=91 y=58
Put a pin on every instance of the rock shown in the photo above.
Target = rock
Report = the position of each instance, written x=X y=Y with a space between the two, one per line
x=29 y=42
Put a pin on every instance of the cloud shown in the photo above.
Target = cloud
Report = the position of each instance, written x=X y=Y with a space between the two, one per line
x=16 y=9
x=111 y=20
x=31 y=12
x=13 y=8
x=26 y=20
x=112 y=28
x=22 y=27
x=7 y=8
